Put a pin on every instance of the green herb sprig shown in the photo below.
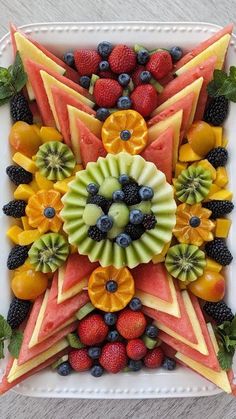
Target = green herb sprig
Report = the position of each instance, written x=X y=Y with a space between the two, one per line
x=226 y=334
x=14 y=338
x=12 y=80
x=223 y=84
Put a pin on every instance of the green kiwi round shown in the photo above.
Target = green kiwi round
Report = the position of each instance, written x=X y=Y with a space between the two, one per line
x=193 y=184
x=185 y=262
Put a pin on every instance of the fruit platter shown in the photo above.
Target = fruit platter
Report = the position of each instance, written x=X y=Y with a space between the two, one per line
x=117 y=213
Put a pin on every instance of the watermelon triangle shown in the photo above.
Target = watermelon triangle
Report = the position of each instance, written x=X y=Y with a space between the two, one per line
x=78 y=267
x=57 y=314
x=90 y=146
x=204 y=70
x=61 y=100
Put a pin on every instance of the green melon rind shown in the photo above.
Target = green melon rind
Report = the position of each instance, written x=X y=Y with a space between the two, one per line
x=163 y=206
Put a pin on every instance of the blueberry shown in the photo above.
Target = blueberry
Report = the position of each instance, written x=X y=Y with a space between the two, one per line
x=146 y=193
x=118 y=196
x=151 y=331
x=49 y=212
x=84 y=81
x=64 y=369
x=123 y=179
x=143 y=56
x=111 y=286
x=104 y=49
x=135 y=304
x=135 y=365
x=169 y=364
x=104 y=223
x=110 y=319
x=145 y=76
x=194 y=222
x=136 y=216
x=176 y=53
x=69 y=59
x=94 y=352
x=125 y=135
x=124 y=102
x=104 y=66
x=113 y=336
x=123 y=240
x=97 y=371
x=92 y=188
x=124 y=79
x=102 y=114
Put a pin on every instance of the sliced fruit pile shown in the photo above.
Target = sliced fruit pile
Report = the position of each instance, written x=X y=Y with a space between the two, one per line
x=120 y=210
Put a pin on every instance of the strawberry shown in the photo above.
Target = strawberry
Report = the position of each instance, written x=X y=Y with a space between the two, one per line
x=107 y=92
x=154 y=358
x=79 y=360
x=92 y=330
x=159 y=64
x=144 y=99
x=131 y=324
x=136 y=349
x=136 y=75
x=113 y=357
x=107 y=75
x=122 y=59
x=87 y=61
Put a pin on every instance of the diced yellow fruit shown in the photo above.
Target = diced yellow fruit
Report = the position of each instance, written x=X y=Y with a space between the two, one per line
x=224 y=142
x=62 y=185
x=187 y=154
x=77 y=168
x=34 y=185
x=208 y=166
x=218 y=136
x=212 y=265
x=213 y=189
x=25 y=162
x=223 y=194
x=25 y=223
x=50 y=134
x=73 y=249
x=222 y=227
x=179 y=167
x=23 y=192
x=161 y=257
x=221 y=177
x=28 y=236
x=37 y=129
x=42 y=182
x=13 y=233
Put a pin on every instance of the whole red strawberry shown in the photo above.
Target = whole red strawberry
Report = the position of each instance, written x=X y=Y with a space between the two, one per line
x=79 y=360
x=136 y=75
x=136 y=349
x=113 y=357
x=107 y=92
x=131 y=324
x=144 y=99
x=159 y=64
x=122 y=59
x=87 y=61
x=154 y=358
x=92 y=329
x=107 y=75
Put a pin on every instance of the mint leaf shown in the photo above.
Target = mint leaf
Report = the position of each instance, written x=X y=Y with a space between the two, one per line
x=18 y=73
x=225 y=358
x=233 y=326
x=223 y=84
x=232 y=72
x=6 y=91
x=5 y=76
x=1 y=349
x=74 y=341
x=5 y=329
x=15 y=343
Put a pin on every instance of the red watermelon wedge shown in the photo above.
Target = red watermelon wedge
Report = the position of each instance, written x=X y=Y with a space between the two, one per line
x=203 y=45
x=57 y=314
x=204 y=70
x=78 y=267
x=90 y=146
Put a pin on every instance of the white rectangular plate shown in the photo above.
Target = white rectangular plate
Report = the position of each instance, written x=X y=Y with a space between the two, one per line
x=59 y=37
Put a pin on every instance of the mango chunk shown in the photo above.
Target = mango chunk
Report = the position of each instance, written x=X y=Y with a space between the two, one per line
x=37 y=129
x=222 y=227
x=221 y=177
x=223 y=194
x=42 y=182
x=25 y=223
x=13 y=233
x=186 y=154
x=34 y=185
x=213 y=189
x=77 y=168
x=208 y=166
x=224 y=142
x=212 y=265
x=218 y=131
x=50 y=134
x=62 y=185
x=23 y=192
x=179 y=168
x=25 y=162
x=28 y=236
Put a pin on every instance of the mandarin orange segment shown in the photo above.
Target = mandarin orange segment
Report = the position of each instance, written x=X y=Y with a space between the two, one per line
x=125 y=131
x=102 y=297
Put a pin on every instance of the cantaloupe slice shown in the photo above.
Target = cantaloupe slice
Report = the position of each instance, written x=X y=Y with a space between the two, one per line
x=64 y=295
x=90 y=121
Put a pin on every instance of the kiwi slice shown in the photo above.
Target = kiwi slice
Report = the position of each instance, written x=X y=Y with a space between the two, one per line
x=49 y=252
x=193 y=184
x=60 y=361
x=55 y=160
x=185 y=262
x=93 y=80
x=84 y=311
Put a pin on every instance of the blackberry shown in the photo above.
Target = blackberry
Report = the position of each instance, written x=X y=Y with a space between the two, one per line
x=134 y=231
x=131 y=191
x=219 y=208
x=95 y=234
x=18 y=311
x=15 y=208
x=217 y=250
x=217 y=157
x=149 y=221
x=20 y=110
x=100 y=201
x=216 y=111
x=219 y=311
x=17 y=256
x=18 y=175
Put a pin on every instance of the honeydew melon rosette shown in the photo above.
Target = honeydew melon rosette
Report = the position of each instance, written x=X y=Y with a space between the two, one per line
x=106 y=252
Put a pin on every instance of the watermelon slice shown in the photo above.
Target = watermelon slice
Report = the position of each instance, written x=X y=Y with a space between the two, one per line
x=204 y=70
x=87 y=147
x=152 y=278
x=204 y=45
x=78 y=267
x=55 y=317
x=61 y=100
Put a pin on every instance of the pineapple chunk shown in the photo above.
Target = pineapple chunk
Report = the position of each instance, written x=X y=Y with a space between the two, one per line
x=13 y=233
x=222 y=227
x=223 y=194
x=221 y=177
x=208 y=166
x=179 y=167
x=62 y=185
x=50 y=134
x=23 y=192
x=42 y=182
x=186 y=154
x=28 y=236
x=25 y=223
x=24 y=162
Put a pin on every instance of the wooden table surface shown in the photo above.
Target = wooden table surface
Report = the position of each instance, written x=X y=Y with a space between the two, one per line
x=22 y=12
